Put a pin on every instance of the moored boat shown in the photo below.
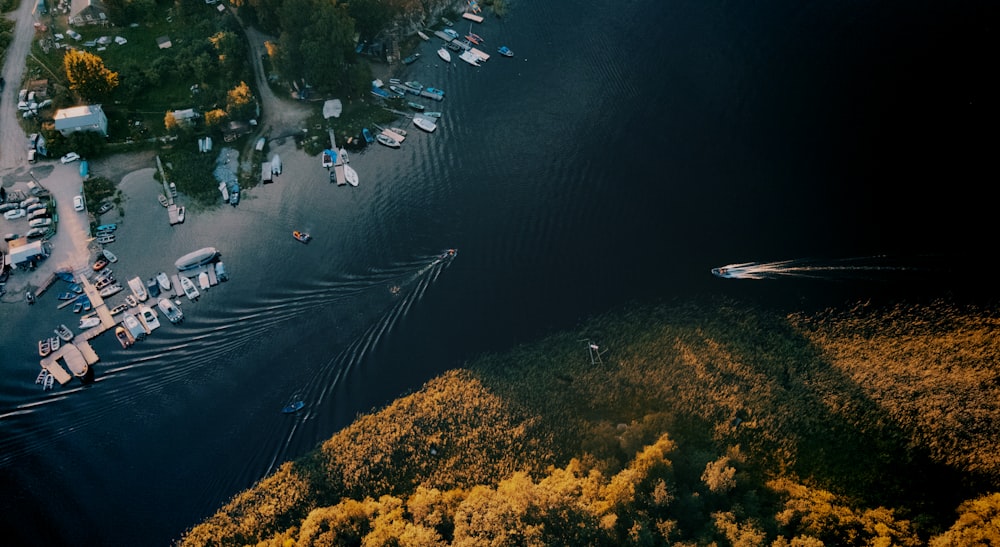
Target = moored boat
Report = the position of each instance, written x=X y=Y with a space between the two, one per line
x=63 y=332
x=131 y=301
x=398 y=131
x=432 y=114
x=386 y=140
x=163 y=281
x=189 y=289
x=54 y=342
x=89 y=322
x=152 y=287
x=78 y=307
x=69 y=295
x=413 y=84
x=416 y=106
x=148 y=316
x=423 y=36
x=105 y=239
x=162 y=199
x=133 y=326
x=426 y=124
x=111 y=290
x=123 y=336
x=171 y=310
x=118 y=309
x=410 y=59
x=203 y=282
x=43 y=347
x=351 y=175
x=197 y=258
x=180 y=214
x=444 y=55
x=367 y=135
x=109 y=255
x=138 y=289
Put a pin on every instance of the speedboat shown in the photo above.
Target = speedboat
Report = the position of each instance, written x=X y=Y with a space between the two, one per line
x=109 y=255
x=387 y=140
x=426 y=124
x=505 y=51
x=444 y=55
x=138 y=289
x=148 y=317
x=180 y=214
x=189 y=289
x=292 y=408
x=173 y=313
x=123 y=336
x=302 y=236
x=118 y=309
x=153 y=287
x=163 y=281
x=89 y=322
x=111 y=290
x=133 y=326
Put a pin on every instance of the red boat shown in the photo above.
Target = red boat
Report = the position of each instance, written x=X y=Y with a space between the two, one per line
x=301 y=236
x=100 y=263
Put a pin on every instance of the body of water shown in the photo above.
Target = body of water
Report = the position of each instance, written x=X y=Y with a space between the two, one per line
x=625 y=150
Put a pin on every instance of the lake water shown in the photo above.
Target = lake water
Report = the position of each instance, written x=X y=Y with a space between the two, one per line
x=625 y=150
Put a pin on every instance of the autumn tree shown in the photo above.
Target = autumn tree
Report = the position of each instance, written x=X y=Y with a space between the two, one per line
x=978 y=524
x=239 y=102
x=88 y=76
x=215 y=117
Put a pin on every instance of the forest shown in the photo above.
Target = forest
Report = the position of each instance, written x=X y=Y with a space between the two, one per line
x=714 y=423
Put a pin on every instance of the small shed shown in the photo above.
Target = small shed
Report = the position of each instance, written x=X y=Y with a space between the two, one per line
x=163 y=42
x=266 y=172
x=22 y=251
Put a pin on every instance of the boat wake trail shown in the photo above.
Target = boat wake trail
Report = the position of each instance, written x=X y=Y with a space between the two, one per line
x=405 y=290
x=872 y=267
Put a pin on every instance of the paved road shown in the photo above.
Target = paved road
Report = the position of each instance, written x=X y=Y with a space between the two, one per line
x=13 y=143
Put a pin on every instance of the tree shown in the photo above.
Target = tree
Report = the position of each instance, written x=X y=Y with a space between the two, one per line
x=169 y=121
x=978 y=524
x=88 y=76
x=239 y=102
x=215 y=117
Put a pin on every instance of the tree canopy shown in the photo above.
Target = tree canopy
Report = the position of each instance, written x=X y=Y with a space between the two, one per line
x=88 y=76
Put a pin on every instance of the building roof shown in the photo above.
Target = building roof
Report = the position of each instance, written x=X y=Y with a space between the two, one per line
x=26 y=251
x=79 y=116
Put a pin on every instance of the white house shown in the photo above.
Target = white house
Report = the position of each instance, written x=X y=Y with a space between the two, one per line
x=81 y=118
x=87 y=12
x=23 y=252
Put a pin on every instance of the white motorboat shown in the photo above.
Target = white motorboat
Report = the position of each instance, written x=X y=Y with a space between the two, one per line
x=111 y=290
x=197 y=258
x=203 y=282
x=138 y=289
x=148 y=316
x=163 y=281
x=109 y=255
x=426 y=124
x=189 y=289
x=444 y=55
x=133 y=326
x=351 y=175
x=386 y=140
x=343 y=155
x=180 y=214
x=171 y=310
x=89 y=322
x=276 y=165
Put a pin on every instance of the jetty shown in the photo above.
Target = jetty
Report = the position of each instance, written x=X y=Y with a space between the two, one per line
x=172 y=210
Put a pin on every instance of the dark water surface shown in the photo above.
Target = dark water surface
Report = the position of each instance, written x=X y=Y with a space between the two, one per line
x=625 y=150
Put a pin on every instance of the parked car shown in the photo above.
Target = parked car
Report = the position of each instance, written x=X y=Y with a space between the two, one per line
x=32 y=155
x=105 y=207
x=35 y=207
x=32 y=141
x=71 y=157
x=40 y=222
x=14 y=213
x=11 y=237
x=29 y=201
x=78 y=203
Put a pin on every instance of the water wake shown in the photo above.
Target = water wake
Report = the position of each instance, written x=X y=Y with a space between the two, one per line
x=849 y=268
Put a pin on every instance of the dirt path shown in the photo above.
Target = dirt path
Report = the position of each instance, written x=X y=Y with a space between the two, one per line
x=13 y=146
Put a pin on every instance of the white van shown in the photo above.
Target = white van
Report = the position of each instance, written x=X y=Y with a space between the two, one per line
x=32 y=155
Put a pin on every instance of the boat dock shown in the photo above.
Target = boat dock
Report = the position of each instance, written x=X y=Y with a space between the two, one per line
x=172 y=210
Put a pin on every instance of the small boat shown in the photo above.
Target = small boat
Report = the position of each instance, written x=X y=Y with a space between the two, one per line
x=413 y=84
x=66 y=276
x=173 y=187
x=148 y=317
x=423 y=36
x=451 y=33
x=109 y=227
x=276 y=165
x=432 y=114
x=444 y=55
x=44 y=348
x=78 y=307
x=220 y=272
x=409 y=60
x=76 y=287
x=447 y=22
x=89 y=322
x=505 y=51
x=131 y=301
x=163 y=280
x=470 y=58
x=118 y=309
x=395 y=81
x=472 y=38
x=50 y=381
x=387 y=140
x=426 y=124
x=105 y=239
x=398 y=131
x=54 y=342
x=203 y=281
x=367 y=135
x=111 y=290
x=87 y=306
x=398 y=90
x=162 y=199
x=302 y=236
x=100 y=263
x=29 y=297
x=133 y=327
x=435 y=91
x=42 y=375
x=180 y=214
x=123 y=336
x=63 y=332
x=138 y=289
x=189 y=289
x=109 y=256
x=351 y=175
x=292 y=408
x=153 y=287
x=173 y=313
x=67 y=296
x=343 y=155
x=479 y=39
x=416 y=106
